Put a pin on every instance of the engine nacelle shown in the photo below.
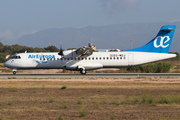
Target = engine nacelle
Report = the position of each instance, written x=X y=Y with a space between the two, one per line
x=84 y=51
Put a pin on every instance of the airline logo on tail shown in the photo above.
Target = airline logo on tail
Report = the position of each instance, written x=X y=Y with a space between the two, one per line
x=162 y=42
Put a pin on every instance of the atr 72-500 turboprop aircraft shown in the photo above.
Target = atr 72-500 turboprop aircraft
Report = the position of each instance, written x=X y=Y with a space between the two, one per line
x=84 y=58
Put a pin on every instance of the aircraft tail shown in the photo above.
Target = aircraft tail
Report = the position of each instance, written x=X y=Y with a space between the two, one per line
x=160 y=44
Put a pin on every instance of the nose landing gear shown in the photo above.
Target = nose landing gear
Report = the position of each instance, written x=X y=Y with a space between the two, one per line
x=14 y=71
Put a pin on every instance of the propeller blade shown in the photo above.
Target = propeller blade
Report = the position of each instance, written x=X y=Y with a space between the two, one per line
x=61 y=51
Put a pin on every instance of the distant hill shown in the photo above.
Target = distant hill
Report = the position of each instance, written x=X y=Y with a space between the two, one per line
x=112 y=36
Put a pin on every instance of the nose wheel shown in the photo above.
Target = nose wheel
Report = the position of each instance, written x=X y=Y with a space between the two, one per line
x=14 y=72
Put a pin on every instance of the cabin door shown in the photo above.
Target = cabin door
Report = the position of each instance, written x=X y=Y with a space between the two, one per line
x=130 y=59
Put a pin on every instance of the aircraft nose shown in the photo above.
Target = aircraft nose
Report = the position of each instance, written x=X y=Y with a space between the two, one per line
x=6 y=64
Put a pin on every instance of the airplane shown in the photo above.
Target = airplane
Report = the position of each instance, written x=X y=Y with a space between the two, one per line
x=84 y=59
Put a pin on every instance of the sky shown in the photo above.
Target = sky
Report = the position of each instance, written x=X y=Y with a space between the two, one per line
x=22 y=17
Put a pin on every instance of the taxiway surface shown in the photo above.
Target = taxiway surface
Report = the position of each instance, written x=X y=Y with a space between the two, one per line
x=104 y=75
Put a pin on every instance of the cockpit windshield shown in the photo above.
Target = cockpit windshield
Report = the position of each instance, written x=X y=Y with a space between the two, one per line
x=16 y=57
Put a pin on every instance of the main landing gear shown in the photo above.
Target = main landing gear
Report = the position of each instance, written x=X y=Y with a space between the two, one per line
x=83 y=72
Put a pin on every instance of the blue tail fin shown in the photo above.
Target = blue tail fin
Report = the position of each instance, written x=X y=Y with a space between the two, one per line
x=160 y=44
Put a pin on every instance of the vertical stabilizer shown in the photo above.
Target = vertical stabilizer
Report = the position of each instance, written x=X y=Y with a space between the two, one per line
x=160 y=44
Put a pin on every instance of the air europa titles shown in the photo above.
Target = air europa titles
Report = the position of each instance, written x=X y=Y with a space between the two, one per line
x=40 y=56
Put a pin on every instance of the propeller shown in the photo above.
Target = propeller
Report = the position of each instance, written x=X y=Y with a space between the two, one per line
x=61 y=51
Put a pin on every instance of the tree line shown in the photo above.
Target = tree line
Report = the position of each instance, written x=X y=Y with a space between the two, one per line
x=13 y=49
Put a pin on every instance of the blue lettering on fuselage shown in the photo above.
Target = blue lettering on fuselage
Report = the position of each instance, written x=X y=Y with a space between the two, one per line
x=41 y=61
x=40 y=56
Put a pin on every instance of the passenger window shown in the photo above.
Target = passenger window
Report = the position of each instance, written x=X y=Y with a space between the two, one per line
x=114 y=58
x=111 y=58
x=121 y=57
x=89 y=58
x=47 y=58
x=97 y=58
x=40 y=58
x=103 y=58
x=100 y=58
x=71 y=58
x=85 y=58
x=44 y=59
x=64 y=58
x=67 y=58
x=57 y=58
x=78 y=58
x=92 y=58
x=50 y=58
x=117 y=57
x=82 y=58
x=107 y=58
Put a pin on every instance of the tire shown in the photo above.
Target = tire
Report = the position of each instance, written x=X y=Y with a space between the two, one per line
x=83 y=72
x=14 y=72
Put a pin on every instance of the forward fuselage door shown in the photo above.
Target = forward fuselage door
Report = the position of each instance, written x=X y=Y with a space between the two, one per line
x=130 y=59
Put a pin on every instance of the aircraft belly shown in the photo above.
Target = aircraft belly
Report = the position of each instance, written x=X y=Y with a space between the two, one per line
x=86 y=65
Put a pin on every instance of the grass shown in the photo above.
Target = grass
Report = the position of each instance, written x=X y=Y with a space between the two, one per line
x=125 y=96
x=164 y=118
x=43 y=86
x=9 y=103
x=83 y=111
x=133 y=99
x=64 y=104
x=115 y=103
x=79 y=102
x=147 y=99
x=51 y=98
x=113 y=118
x=11 y=77
x=63 y=87
x=169 y=99
x=14 y=89
x=61 y=118
x=97 y=102
x=104 y=99
x=34 y=90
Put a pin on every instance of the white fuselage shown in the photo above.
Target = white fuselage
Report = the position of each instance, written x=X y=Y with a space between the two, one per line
x=71 y=61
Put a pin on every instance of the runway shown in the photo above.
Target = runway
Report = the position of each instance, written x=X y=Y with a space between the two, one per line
x=90 y=75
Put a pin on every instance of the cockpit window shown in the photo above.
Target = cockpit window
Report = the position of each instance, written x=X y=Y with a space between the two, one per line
x=16 y=57
x=13 y=57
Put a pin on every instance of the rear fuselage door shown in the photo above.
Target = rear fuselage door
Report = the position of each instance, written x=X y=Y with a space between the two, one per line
x=130 y=59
